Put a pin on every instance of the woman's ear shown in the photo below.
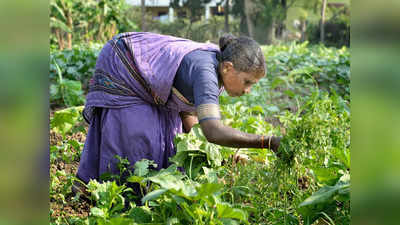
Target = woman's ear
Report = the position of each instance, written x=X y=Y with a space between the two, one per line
x=227 y=66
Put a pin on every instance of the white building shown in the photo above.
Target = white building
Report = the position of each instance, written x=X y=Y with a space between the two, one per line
x=161 y=10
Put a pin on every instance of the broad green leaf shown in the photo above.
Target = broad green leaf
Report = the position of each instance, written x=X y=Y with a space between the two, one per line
x=135 y=179
x=154 y=194
x=327 y=176
x=63 y=120
x=225 y=210
x=208 y=189
x=120 y=221
x=140 y=215
x=326 y=193
x=172 y=221
x=211 y=175
x=168 y=181
x=97 y=212
x=54 y=22
x=227 y=221
x=59 y=10
x=142 y=167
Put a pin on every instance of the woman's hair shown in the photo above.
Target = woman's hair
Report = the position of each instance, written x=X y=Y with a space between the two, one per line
x=244 y=53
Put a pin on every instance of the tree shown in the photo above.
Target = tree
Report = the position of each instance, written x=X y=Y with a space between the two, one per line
x=264 y=19
x=322 y=26
x=143 y=15
x=226 y=14
x=74 y=21
x=248 y=11
x=195 y=8
x=61 y=21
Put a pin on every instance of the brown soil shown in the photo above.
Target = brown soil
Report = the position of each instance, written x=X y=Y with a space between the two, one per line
x=72 y=207
x=55 y=138
x=303 y=183
x=78 y=136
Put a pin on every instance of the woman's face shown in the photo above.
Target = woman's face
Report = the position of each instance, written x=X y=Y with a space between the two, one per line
x=237 y=83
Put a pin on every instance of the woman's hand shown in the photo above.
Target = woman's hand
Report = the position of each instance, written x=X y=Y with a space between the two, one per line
x=188 y=121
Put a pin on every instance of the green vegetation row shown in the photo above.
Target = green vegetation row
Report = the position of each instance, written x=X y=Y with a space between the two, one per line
x=308 y=181
x=304 y=98
x=289 y=68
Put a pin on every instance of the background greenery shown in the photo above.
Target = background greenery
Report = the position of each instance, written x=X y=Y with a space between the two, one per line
x=272 y=21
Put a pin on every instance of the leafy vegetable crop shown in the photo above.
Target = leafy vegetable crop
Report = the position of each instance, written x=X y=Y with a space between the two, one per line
x=304 y=99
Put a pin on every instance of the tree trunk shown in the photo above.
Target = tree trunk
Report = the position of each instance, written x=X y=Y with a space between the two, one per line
x=247 y=11
x=303 y=29
x=280 y=25
x=69 y=34
x=143 y=15
x=100 y=31
x=60 y=40
x=322 y=25
x=271 y=32
x=226 y=12
x=87 y=33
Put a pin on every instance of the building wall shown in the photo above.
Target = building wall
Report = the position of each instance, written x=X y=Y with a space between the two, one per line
x=159 y=9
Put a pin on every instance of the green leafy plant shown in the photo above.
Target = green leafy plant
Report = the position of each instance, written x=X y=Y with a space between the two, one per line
x=63 y=121
x=194 y=152
x=73 y=21
x=77 y=63
x=323 y=200
x=200 y=203
x=65 y=91
x=109 y=201
x=304 y=98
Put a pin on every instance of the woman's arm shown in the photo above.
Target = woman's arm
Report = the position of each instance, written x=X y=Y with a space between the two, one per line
x=219 y=134
x=188 y=121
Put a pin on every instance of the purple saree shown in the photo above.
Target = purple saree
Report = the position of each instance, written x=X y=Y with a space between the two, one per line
x=132 y=108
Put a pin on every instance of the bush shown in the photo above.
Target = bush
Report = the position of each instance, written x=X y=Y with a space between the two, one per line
x=200 y=31
x=337 y=33
x=70 y=71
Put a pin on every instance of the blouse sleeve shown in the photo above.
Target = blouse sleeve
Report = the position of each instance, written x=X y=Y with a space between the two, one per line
x=205 y=93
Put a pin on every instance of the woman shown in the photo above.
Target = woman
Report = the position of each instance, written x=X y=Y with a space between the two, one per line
x=149 y=87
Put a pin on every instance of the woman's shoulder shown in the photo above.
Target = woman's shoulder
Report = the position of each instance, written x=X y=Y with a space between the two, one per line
x=201 y=58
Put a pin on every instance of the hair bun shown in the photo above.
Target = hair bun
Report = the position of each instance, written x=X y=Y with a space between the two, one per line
x=225 y=40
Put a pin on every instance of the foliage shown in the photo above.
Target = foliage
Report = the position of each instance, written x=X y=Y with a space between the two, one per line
x=193 y=7
x=88 y=21
x=109 y=201
x=318 y=138
x=304 y=98
x=324 y=199
x=68 y=92
x=63 y=121
x=268 y=17
x=69 y=70
x=194 y=152
x=337 y=32
x=201 y=31
x=314 y=154
x=298 y=68
x=200 y=203
x=321 y=125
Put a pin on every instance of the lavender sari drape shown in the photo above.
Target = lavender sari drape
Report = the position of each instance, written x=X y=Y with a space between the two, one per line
x=124 y=117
